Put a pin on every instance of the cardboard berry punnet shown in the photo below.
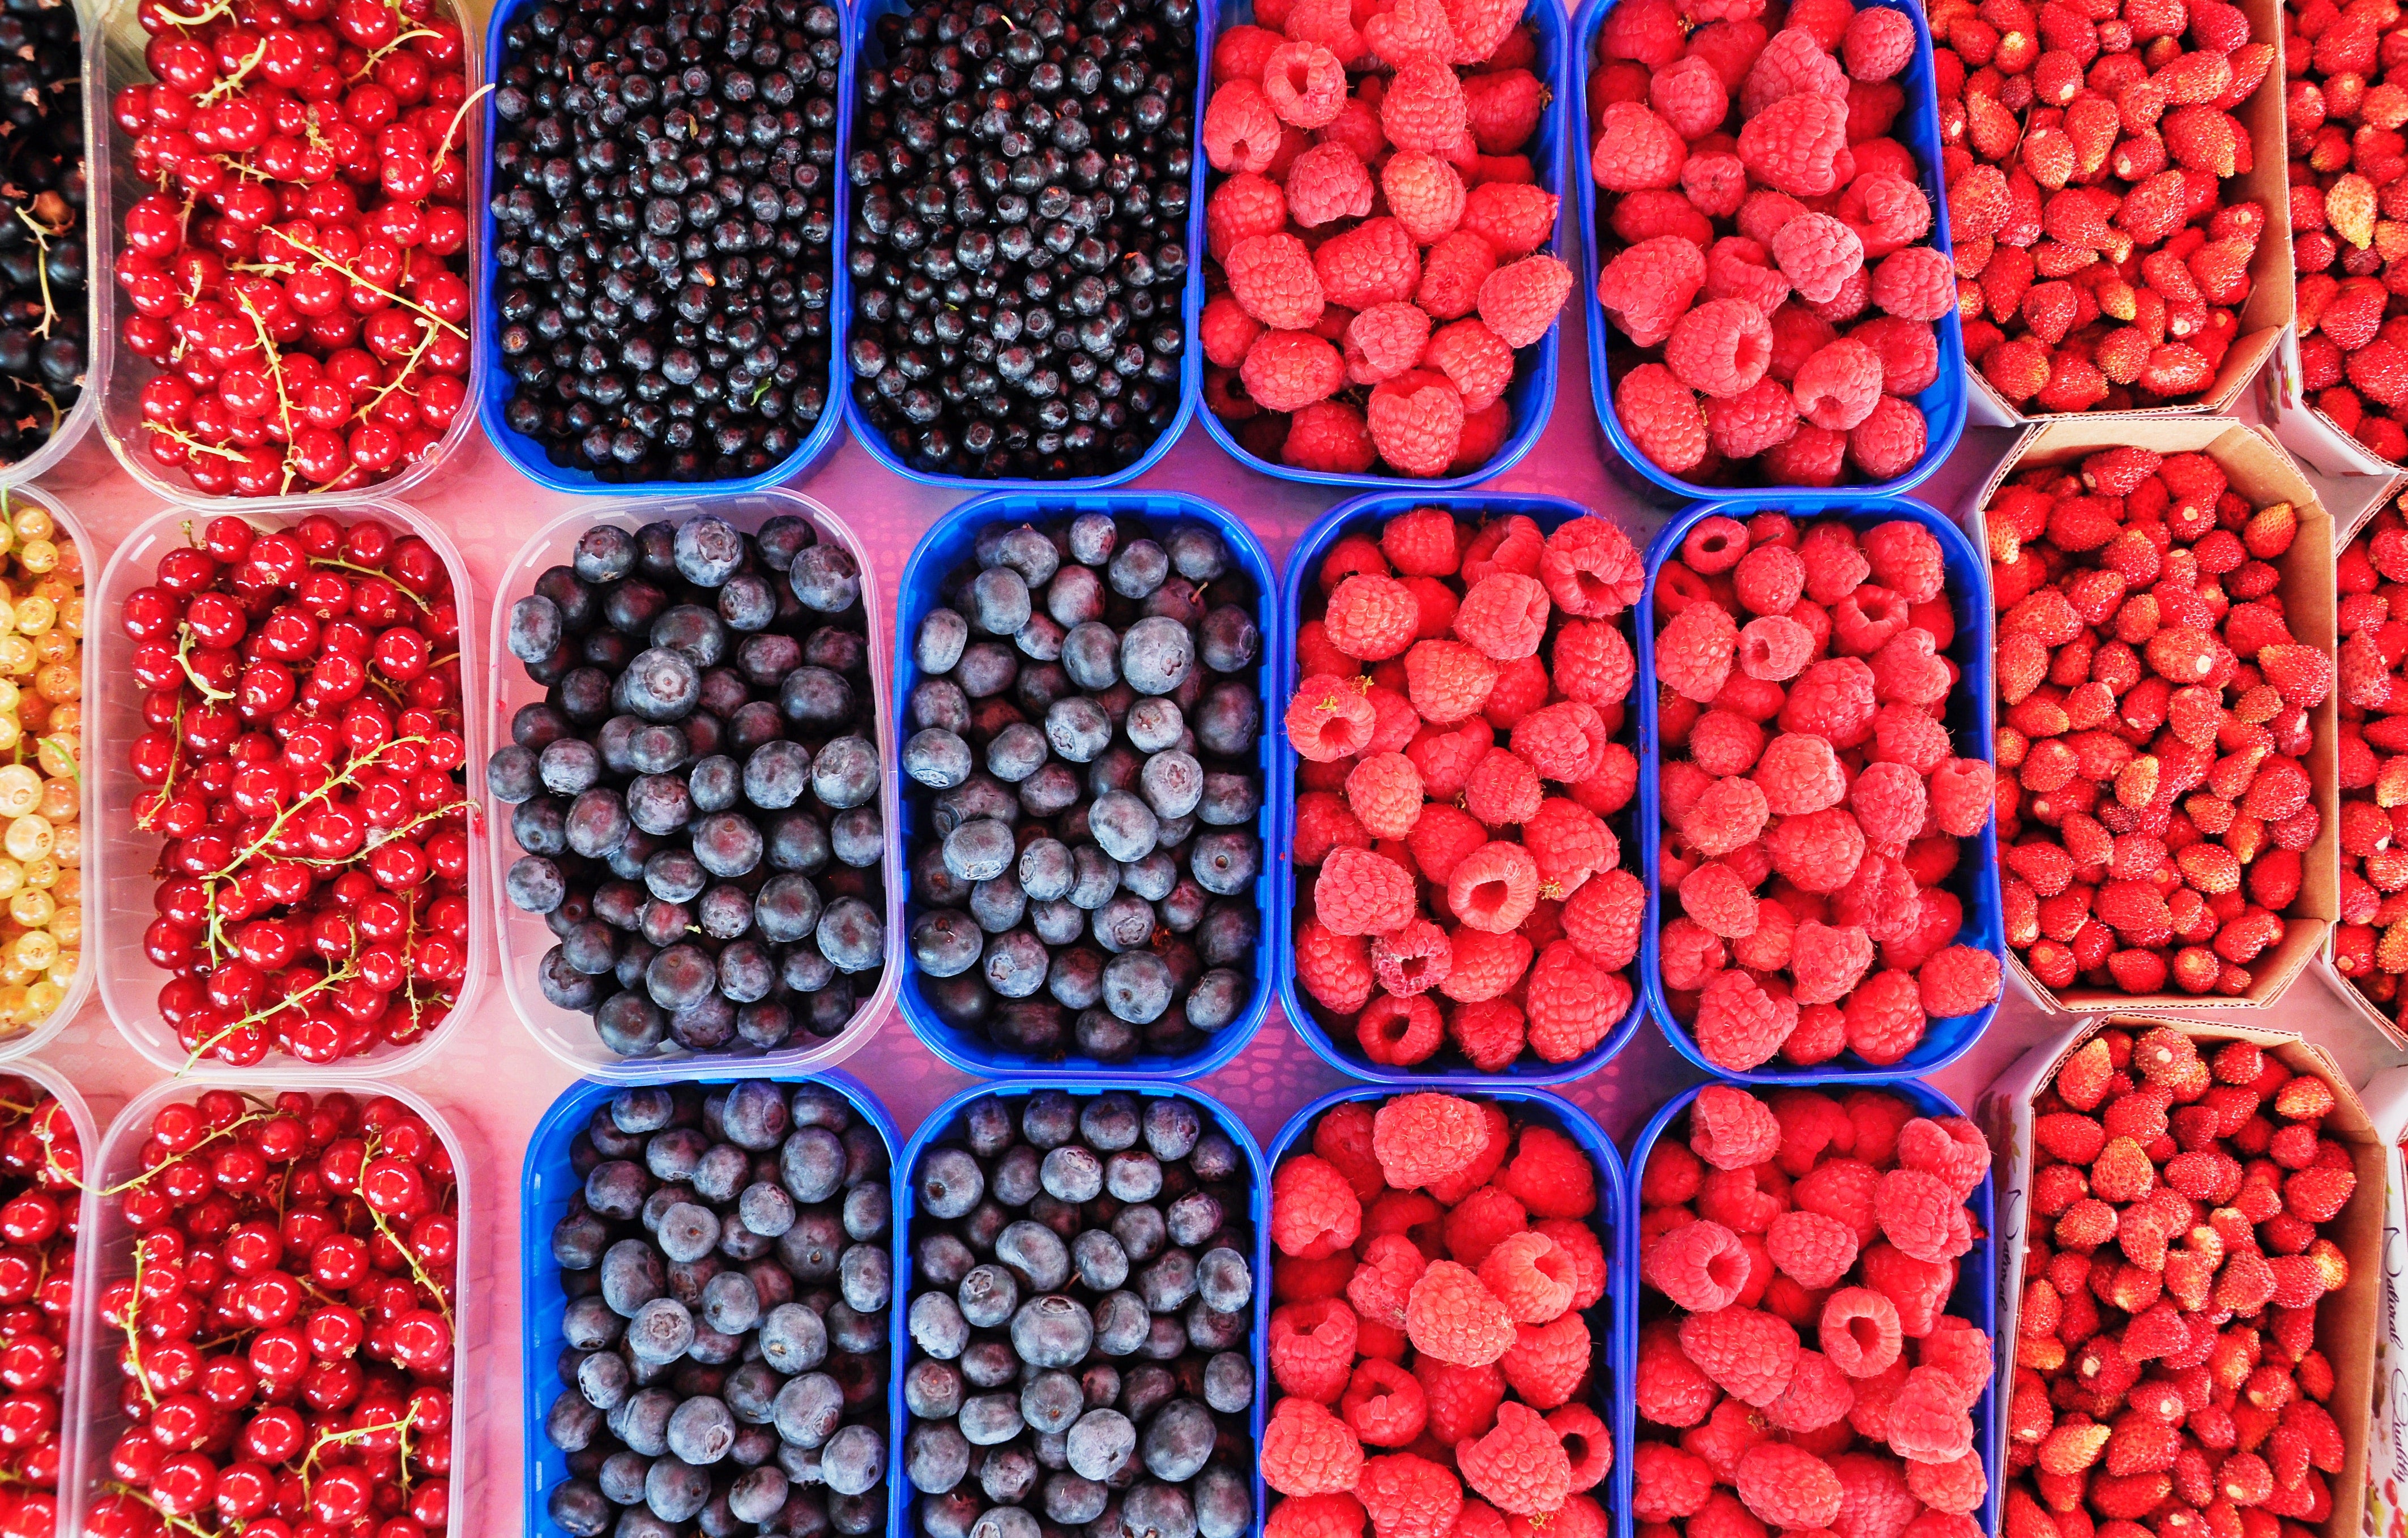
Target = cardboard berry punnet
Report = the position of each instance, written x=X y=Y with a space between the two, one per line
x=2261 y=473
x=2386 y=1449
x=2346 y=1319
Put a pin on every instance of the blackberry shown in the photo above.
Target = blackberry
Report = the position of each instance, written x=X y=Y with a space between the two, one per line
x=665 y=202
x=1022 y=174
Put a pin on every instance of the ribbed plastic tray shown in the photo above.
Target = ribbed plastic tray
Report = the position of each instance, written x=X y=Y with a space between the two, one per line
x=1970 y=708
x=867 y=52
x=1974 y=1300
x=1942 y=400
x=492 y=388
x=1366 y=514
x=97 y=123
x=1612 y=1328
x=946 y=1122
x=1532 y=393
x=119 y=858
x=546 y=1183
x=948 y=545
x=569 y=1034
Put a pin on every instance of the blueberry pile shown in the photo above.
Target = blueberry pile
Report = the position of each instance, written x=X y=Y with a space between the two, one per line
x=1018 y=250
x=1079 y=1352
x=44 y=316
x=1083 y=734
x=726 y=1278
x=697 y=795
x=665 y=193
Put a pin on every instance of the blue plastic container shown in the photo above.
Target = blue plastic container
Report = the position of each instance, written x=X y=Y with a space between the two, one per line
x=1975 y=880
x=1366 y=514
x=1611 y=1318
x=865 y=53
x=546 y=1185
x=1942 y=400
x=1974 y=1300
x=948 y=546
x=526 y=453
x=946 y=1122
x=1532 y=393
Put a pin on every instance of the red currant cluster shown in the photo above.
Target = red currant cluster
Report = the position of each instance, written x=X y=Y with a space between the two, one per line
x=303 y=758
x=299 y=274
x=284 y=1341
x=41 y=1161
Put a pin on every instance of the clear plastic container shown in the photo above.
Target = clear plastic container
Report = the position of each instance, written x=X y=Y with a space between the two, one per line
x=78 y=991
x=118 y=858
x=79 y=418
x=105 y=1254
x=113 y=60
x=71 y=1419
x=567 y=1034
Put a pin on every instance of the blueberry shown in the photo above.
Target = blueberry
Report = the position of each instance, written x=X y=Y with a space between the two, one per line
x=1049 y=1119
x=534 y=885
x=932 y=1390
x=1159 y=1510
x=1091 y=654
x=936 y=645
x=797 y=841
x=1178 y=1441
x=1155 y=655
x=701 y=1430
x=845 y=772
x=1124 y=826
x=852 y=935
x=990 y=1420
x=792 y=1339
x=987 y=669
x=1035 y=1254
x=997 y=601
x=1013 y=754
x=1099 y=876
x=535 y=628
x=857 y=837
x=1154 y=723
x=936 y=1457
x=1196 y=554
x=1045 y=869
x=1075 y=977
x=1102 y=1264
x=1226 y=863
x=1173 y=783
x=945 y=942
x=1073 y=1502
x=512 y=775
x=1092 y=538
x=806 y=1409
x=1140 y=1232
x=1102 y=1442
x=784 y=538
x=1029 y=552
x=811 y=1165
x=660 y=1331
x=826 y=579
x=688 y=1232
x=1077 y=729
x=778 y=773
x=661 y=685
x=1015 y=964
x=951 y=1182
x=579 y=1509
x=709 y=551
x=759 y=1494
x=979 y=850
x=1229 y=800
x=1072 y=1173
x=1228 y=721
x=998 y=903
x=1059 y=923
x=1133 y=1177
x=1137 y=569
x=816 y=699
x=1050 y=790
x=1138 y=986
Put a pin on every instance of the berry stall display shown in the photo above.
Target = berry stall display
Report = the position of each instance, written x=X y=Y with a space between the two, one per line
x=1805 y=1355
x=725 y=1286
x=2193 y=1301
x=2164 y=670
x=293 y=261
x=665 y=203
x=1086 y=787
x=1082 y=1300
x=1022 y=172
x=1440 y=1339
x=2105 y=196
x=1822 y=891
x=298 y=753
x=1380 y=234
x=2369 y=943
x=274 y=1343
x=45 y=309
x=1779 y=304
x=697 y=794
x=1462 y=735
x=41 y=1170
x=42 y=664
x=2348 y=197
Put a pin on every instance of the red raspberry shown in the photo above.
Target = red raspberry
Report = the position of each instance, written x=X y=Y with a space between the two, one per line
x=1451 y=1316
x=1242 y=129
x=1329 y=719
x=1811 y=456
x=1371 y=617
x=1488 y=1029
x=1329 y=434
x=1957 y=981
x=1314 y=1211
x=1748 y=1353
x=1374 y=262
x=1386 y=340
x=1335 y=969
x=1689 y=96
x=1550 y=1176
x=1591 y=569
x=1740 y=1026
x=1416 y=421
x=1385 y=792
x=1328 y=184
x=1273 y=278
x=1793 y=63
x=1880 y=43
x=1794 y=145
x=1819 y=1395
x=1240 y=52
x=1399 y=1032
x=1564 y=741
x=1453 y=270
x=1322 y=824
x=1343 y=1137
x=1519 y=1465
x=1921 y=1216
x=1757 y=419
x=1774 y=647
x=1928 y=1422
x=1503 y=789
x=1788 y=1487
x=1514 y=218
x=1336 y=1514
x=1313 y=1348
x=1307 y=85
x=1888 y=211
x=1361 y=893
x=1730 y=1129
x=1520 y=300
x=1289 y=370
x=1384 y=1405
x=1602 y=918
x=1632 y=148
x=1532 y=1275
x=1700 y=1266
x=1378 y=1286
x=1573 y=1005
x=1812 y=1249
x=1859 y=1331
x=1424 y=108
x=1576 y=1240
x=1662 y=418
x=1888 y=443
x=1816 y=253
x=1916 y=284
x=1226 y=331
x=1842 y=1189
x=1694 y=652
x=1721 y=347
x=1505 y=615
x=1243 y=206
x=1840 y=385
x=1427 y=1138
x=1956 y=1486
x=1477 y=361
x=1885 y=1018
x=1832 y=699
x=1425 y=192
x=1494 y=887
x=1648 y=286
x=1462 y=1401
x=1412 y=958
x=1308 y=1451
x=1549 y=1362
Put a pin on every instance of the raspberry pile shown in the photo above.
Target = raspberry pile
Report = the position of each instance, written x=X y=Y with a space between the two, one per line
x=280 y=1357
x=1378 y=239
x=1437 y=1343
x=1760 y=203
x=1799 y=1365
x=297 y=272
x=2370 y=941
x=2102 y=263
x=41 y=1166
x=1447 y=861
x=302 y=759
x=2155 y=724
x=41 y=791
x=2166 y=1353
x=726 y=1276
x=1812 y=828
x=2349 y=195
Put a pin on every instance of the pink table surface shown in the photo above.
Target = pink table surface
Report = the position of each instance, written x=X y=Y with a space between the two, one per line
x=493 y=1083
